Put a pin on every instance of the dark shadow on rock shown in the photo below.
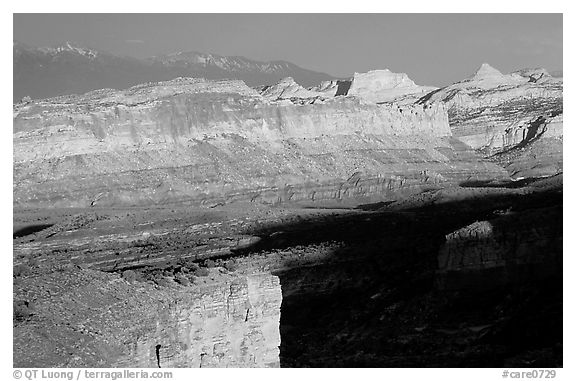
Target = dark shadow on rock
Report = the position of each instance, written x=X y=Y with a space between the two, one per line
x=342 y=87
x=374 y=300
x=28 y=230
x=509 y=184
x=533 y=133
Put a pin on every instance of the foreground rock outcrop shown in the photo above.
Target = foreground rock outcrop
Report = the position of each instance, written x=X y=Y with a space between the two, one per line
x=95 y=319
x=207 y=142
x=513 y=248
x=321 y=287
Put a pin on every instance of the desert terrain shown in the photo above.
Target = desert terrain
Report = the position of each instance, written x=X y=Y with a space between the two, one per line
x=365 y=222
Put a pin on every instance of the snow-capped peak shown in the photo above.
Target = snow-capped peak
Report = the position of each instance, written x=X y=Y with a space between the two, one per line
x=72 y=48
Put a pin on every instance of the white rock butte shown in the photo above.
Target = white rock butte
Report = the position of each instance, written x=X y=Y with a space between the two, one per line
x=384 y=86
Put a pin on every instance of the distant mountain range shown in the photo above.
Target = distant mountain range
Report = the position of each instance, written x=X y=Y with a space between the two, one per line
x=73 y=69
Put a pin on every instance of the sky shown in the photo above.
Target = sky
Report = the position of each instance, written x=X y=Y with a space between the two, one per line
x=433 y=49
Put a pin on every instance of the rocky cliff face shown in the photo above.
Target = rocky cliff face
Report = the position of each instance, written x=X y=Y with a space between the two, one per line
x=494 y=111
x=211 y=142
x=498 y=113
x=513 y=248
x=287 y=88
x=230 y=322
x=362 y=279
x=539 y=154
x=172 y=284
x=375 y=86
x=333 y=88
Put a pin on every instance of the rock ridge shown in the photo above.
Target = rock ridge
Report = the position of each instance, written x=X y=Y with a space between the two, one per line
x=203 y=141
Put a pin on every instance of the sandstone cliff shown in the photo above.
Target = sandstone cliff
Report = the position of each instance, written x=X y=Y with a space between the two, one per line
x=386 y=86
x=375 y=86
x=95 y=319
x=493 y=111
x=191 y=140
x=497 y=112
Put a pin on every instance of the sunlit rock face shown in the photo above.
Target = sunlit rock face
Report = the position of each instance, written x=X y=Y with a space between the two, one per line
x=199 y=141
x=497 y=113
x=539 y=154
x=287 y=88
x=231 y=322
x=385 y=86
x=333 y=88
x=494 y=111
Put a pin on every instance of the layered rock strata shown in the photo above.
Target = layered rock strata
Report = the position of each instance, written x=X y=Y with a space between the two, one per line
x=208 y=142
x=344 y=275
x=496 y=112
x=95 y=319
x=539 y=154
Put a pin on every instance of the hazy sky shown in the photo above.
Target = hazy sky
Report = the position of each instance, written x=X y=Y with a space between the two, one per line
x=434 y=49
